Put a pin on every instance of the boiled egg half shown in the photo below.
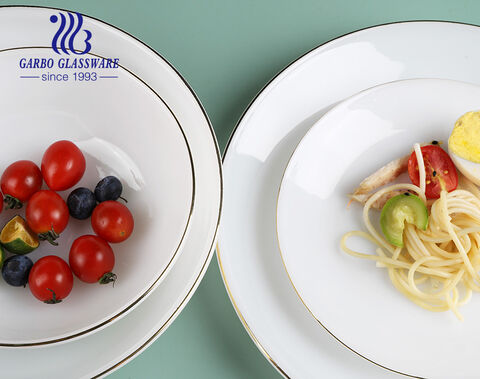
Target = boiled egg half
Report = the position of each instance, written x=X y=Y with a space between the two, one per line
x=464 y=146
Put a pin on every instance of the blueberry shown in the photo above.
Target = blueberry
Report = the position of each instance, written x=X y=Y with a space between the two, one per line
x=15 y=270
x=81 y=203
x=109 y=188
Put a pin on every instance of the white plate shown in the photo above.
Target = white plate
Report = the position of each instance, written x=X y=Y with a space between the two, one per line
x=256 y=158
x=124 y=129
x=348 y=296
x=124 y=339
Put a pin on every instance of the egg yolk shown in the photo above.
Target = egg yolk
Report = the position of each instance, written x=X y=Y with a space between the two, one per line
x=465 y=138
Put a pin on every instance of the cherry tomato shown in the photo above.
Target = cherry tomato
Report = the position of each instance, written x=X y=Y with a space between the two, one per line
x=19 y=182
x=439 y=171
x=112 y=221
x=47 y=214
x=63 y=165
x=91 y=259
x=50 y=279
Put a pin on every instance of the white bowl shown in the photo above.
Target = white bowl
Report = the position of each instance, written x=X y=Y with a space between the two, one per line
x=123 y=129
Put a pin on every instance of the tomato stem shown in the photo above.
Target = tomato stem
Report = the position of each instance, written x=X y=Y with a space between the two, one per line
x=49 y=236
x=108 y=277
x=12 y=202
x=54 y=299
x=125 y=200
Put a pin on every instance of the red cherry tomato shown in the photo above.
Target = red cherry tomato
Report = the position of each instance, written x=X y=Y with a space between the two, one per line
x=112 y=221
x=50 y=279
x=63 y=165
x=47 y=214
x=440 y=171
x=91 y=259
x=19 y=182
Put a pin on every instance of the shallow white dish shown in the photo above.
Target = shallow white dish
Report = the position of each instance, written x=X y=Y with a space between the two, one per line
x=124 y=339
x=350 y=297
x=256 y=158
x=124 y=129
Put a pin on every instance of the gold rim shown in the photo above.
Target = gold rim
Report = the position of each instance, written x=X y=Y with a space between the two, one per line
x=178 y=309
x=242 y=319
x=177 y=249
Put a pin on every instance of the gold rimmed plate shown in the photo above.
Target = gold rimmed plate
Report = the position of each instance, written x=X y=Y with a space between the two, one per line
x=127 y=336
x=259 y=151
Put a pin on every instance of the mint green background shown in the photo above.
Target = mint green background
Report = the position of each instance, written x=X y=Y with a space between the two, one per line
x=227 y=50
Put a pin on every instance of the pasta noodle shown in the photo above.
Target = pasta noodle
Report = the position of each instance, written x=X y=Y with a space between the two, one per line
x=421 y=166
x=437 y=268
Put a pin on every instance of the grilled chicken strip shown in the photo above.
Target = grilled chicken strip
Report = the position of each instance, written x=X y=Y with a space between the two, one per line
x=379 y=178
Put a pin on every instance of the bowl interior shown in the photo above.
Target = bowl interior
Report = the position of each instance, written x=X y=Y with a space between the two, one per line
x=124 y=129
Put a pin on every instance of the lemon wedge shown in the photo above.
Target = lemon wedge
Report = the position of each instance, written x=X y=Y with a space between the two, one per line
x=17 y=237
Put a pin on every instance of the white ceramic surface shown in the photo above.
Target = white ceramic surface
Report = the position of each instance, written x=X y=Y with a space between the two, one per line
x=350 y=297
x=104 y=351
x=256 y=158
x=124 y=129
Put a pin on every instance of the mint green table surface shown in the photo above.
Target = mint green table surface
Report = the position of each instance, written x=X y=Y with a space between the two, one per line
x=227 y=50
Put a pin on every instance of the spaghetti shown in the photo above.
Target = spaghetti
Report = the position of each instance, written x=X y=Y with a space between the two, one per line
x=437 y=268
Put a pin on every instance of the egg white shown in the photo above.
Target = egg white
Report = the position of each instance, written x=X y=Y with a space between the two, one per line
x=469 y=169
